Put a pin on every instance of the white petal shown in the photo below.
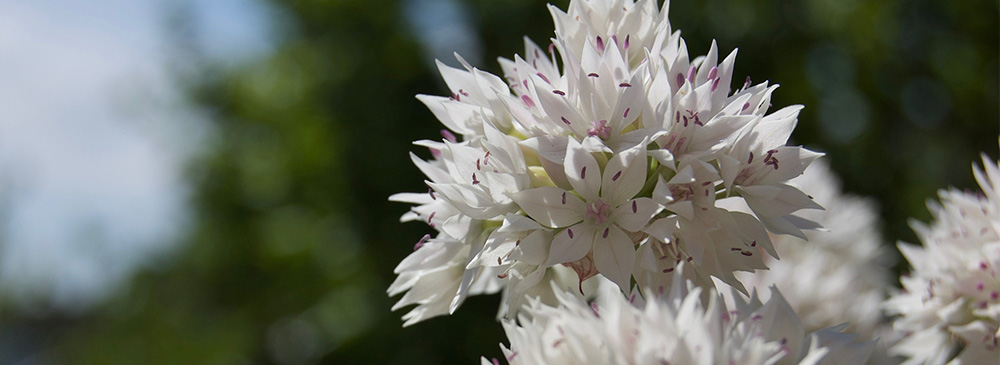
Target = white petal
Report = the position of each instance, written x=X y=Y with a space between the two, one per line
x=533 y=249
x=582 y=171
x=624 y=176
x=614 y=255
x=792 y=162
x=469 y=200
x=634 y=215
x=571 y=244
x=551 y=207
x=776 y=200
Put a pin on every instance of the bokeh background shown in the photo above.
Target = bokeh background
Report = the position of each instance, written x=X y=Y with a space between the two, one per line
x=191 y=181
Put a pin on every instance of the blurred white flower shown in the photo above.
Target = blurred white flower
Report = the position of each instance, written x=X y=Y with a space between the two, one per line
x=684 y=326
x=842 y=273
x=951 y=298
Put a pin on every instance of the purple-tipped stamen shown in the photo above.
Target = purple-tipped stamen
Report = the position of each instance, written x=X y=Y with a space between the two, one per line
x=680 y=80
x=600 y=44
x=527 y=101
x=626 y=41
x=559 y=92
x=546 y=79
x=691 y=73
x=606 y=231
x=569 y=231
x=713 y=72
x=624 y=84
x=583 y=172
x=564 y=120
x=625 y=115
x=635 y=209
x=449 y=136
x=617 y=175
x=593 y=74
x=421 y=242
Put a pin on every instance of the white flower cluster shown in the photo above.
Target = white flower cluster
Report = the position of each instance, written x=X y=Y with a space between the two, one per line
x=952 y=296
x=676 y=328
x=839 y=275
x=612 y=153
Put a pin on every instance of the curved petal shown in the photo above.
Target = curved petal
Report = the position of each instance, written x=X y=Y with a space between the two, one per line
x=582 y=171
x=634 y=215
x=624 y=176
x=614 y=255
x=571 y=244
x=552 y=207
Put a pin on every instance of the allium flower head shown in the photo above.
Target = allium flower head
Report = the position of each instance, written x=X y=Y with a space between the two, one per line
x=613 y=162
x=679 y=327
x=952 y=295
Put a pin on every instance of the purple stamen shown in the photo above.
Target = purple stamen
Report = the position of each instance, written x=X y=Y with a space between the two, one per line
x=691 y=73
x=668 y=270
x=746 y=253
x=559 y=92
x=680 y=80
x=625 y=115
x=527 y=101
x=746 y=105
x=713 y=72
x=421 y=242
x=600 y=44
x=606 y=231
x=564 y=120
x=617 y=175
x=564 y=197
x=448 y=135
x=715 y=84
x=624 y=84
x=474 y=180
x=615 y=38
x=583 y=172
x=431 y=192
x=546 y=79
x=626 y=41
x=750 y=160
x=593 y=74
x=746 y=83
x=569 y=231
x=635 y=209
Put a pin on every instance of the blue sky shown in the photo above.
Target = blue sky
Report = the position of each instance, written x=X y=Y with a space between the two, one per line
x=93 y=137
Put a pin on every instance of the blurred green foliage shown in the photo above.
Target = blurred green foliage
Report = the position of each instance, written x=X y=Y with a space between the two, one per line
x=293 y=241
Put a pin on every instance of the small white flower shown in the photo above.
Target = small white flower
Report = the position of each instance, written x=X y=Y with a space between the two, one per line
x=598 y=215
x=952 y=295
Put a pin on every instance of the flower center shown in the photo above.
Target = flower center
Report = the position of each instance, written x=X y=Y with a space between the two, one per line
x=598 y=211
x=600 y=128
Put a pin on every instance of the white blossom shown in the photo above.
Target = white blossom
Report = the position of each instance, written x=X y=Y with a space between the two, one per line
x=684 y=326
x=611 y=153
x=951 y=297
